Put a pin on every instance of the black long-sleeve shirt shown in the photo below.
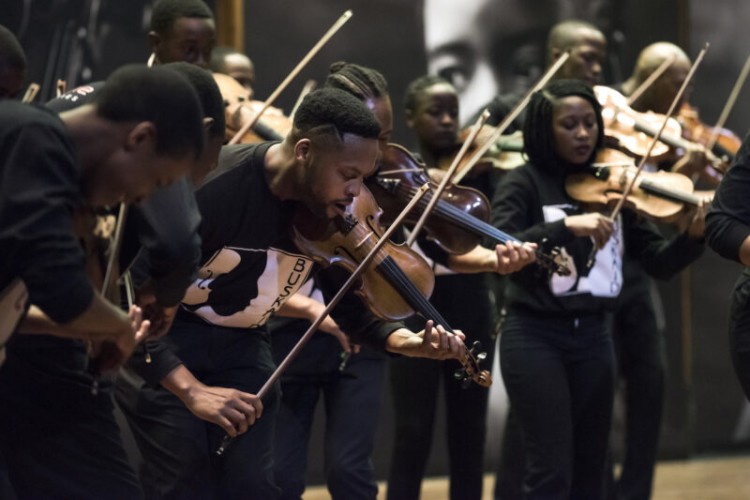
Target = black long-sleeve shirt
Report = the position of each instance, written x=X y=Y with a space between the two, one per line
x=728 y=220
x=531 y=204
x=39 y=194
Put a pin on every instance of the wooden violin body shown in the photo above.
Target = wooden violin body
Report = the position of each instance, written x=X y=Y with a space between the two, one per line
x=240 y=109
x=657 y=195
x=397 y=283
x=458 y=222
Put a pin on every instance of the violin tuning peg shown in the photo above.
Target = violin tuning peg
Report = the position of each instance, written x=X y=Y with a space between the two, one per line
x=460 y=375
x=481 y=356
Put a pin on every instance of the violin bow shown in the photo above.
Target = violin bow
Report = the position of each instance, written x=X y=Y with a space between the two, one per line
x=30 y=94
x=731 y=100
x=664 y=66
x=385 y=238
x=512 y=115
x=449 y=174
x=631 y=183
x=312 y=52
x=309 y=87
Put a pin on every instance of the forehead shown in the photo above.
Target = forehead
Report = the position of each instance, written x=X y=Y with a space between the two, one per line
x=439 y=91
x=352 y=151
x=588 y=39
x=572 y=105
x=192 y=27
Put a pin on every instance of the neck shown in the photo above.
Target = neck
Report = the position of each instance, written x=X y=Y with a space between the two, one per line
x=95 y=137
x=281 y=172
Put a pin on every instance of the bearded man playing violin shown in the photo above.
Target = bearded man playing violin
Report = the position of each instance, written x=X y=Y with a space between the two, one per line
x=250 y=267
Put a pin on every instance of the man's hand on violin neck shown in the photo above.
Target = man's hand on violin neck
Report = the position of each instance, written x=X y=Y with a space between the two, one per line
x=432 y=342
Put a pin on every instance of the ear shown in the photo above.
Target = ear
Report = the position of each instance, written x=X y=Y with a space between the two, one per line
x=154 y=39
x=303 y=150
x=142 y=134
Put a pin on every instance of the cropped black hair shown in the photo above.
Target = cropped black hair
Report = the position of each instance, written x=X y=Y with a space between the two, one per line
x=208 y=94
x=136 y=93
x=360 y=81
x=166 y=12
x=11 y=52
x=538 y=135
x=418 y=86
x=337 y=110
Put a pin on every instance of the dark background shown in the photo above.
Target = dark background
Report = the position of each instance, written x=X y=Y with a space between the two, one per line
x=84 y=40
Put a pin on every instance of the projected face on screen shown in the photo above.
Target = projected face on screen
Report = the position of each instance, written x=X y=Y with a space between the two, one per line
x=487 y=47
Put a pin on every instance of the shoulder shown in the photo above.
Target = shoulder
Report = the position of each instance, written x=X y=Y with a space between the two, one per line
x=15 y=115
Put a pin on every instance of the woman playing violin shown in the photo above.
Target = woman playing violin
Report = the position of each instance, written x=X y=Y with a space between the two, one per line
x=556 y=350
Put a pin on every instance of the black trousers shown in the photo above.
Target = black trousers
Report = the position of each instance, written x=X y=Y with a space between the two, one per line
x=559 y=374
x=60 y=440
x=351 y=399
x=464 y=302
x=177 y=447
x=641 y=356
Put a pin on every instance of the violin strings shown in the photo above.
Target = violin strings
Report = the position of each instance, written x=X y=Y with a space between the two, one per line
x=396 y=277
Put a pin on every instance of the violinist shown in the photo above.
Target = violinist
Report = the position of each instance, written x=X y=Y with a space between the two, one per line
x=658 y=96
x=587 y=46
x=432 y=112
x=353 y=392
x=235 y=64
x=182 y=30
x=12 y=65
x=249 y=267
x=556 y=350
x=144 y=130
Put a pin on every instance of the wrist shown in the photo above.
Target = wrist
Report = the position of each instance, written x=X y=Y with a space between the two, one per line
x=182 y=384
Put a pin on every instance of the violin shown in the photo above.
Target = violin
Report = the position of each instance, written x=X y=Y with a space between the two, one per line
x=240 y=109
x=505 y=153
x=398 y=282
x=631 y=131
x=458 y=222
x=658 y=195
x=726 y=144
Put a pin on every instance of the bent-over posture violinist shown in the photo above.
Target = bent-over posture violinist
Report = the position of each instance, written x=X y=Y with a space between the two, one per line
x=144 y=130
x=250 y=267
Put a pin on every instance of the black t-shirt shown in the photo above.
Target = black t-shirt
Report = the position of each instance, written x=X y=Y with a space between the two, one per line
x=39 y=194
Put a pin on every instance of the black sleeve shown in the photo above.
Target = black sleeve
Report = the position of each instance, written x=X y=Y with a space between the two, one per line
x=40 y=187
x=728 y=220
x=163 y=361
x=661 y=258
x=352 y=315
x=513 y=209
x=167 y=227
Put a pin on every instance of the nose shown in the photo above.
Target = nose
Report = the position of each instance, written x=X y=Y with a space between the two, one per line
x=353 y=189
x=582 y=131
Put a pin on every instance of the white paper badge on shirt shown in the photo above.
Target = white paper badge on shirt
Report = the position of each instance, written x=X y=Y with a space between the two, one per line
x=605 y=277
